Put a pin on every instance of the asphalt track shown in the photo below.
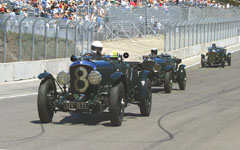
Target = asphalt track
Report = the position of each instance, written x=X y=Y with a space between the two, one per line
x=204 y=117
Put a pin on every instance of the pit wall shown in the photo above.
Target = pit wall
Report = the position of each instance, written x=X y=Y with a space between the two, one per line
x=31 y=69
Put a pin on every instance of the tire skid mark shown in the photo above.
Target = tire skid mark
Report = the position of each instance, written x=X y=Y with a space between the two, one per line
x=28 y=138
x=169 y=134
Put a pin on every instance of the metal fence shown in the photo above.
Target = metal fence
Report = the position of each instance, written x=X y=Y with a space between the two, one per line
x=30 y=38
x=123 y=30
x=188 y=33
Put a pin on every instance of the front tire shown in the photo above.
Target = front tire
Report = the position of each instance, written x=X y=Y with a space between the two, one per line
x=116 y=107
x=203 y=64
x=45 y=101
x=223 y=63
x=168 y=82
x=146 y=104
x=182 y=78
x=229 y=59
x=202 y=61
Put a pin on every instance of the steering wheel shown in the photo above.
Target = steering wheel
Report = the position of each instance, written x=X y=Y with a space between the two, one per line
x=88 y=54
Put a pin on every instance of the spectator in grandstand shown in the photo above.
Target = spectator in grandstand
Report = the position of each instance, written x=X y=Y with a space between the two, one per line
x=1 y=9
x=23 y=12
x=133 y=4
x=99 y=23
x=125 y=5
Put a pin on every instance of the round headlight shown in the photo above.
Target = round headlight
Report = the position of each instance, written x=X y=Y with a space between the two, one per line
x=156 y=67
x=94 y=77
x=63 y=78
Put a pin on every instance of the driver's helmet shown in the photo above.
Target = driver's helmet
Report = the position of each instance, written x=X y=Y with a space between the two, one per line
x=115 y=54
x=154 y=51
x=97 y=47
x=214 y=46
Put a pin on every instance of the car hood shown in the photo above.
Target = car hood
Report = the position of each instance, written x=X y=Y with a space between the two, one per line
x=100 y=65
x=159 y=60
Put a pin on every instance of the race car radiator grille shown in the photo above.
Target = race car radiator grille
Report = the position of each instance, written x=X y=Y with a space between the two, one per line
x=79 y=79
x=213 y=56
x=148 y=65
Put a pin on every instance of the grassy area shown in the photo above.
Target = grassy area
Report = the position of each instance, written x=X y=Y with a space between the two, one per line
x=13 y=47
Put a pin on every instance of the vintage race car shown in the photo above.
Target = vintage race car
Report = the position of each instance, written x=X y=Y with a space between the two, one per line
x=165 y=70
x=92 y=86
x=215 y=56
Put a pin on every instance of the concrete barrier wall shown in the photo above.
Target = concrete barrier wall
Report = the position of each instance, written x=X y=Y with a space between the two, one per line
x=31 y=69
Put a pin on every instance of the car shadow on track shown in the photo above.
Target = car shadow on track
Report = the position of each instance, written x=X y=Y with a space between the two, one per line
x=213 y=66
x=161 y=90
x=90 y=119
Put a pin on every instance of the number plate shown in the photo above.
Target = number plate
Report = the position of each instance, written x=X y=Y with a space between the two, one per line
x=76 y=105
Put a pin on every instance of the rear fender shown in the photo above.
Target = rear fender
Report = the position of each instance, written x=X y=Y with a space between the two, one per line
x=142 y=86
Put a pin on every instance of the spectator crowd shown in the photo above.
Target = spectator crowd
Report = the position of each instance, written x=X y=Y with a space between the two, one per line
x=90 y=10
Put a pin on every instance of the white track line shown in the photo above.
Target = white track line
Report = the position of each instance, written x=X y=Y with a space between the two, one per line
x=192 y=65
x=20 y=81
x=14 y=96
x=30 y=94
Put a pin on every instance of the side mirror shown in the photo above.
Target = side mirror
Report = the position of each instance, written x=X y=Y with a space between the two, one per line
x=125 y=55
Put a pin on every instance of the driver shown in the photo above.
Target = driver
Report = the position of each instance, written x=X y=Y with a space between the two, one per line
x=96 y=48
x=214 y=46
x=154 y=52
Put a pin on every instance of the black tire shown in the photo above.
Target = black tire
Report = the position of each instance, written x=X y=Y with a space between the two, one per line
x=146 y=104
x=203 y=64
x=209 y=65
x=116 y=106
x=45 y=101
x=223 y=63
x=168 y=82
x=182 y=78
x=202 y=61
x=229 y=59
x=229 y=62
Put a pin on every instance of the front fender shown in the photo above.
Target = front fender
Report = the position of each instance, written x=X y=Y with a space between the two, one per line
x=116 y=77
x=45 y=76
x=142 y=86
x=182 y=65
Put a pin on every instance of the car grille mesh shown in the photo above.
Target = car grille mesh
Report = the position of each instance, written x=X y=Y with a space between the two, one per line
x=79 y=79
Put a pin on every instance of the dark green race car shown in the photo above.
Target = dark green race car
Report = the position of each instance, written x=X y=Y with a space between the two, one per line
x=165 y=70
x=93 y=85
x=215 y=56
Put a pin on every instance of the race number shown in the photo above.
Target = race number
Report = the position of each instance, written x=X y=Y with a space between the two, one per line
x=82 y=78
